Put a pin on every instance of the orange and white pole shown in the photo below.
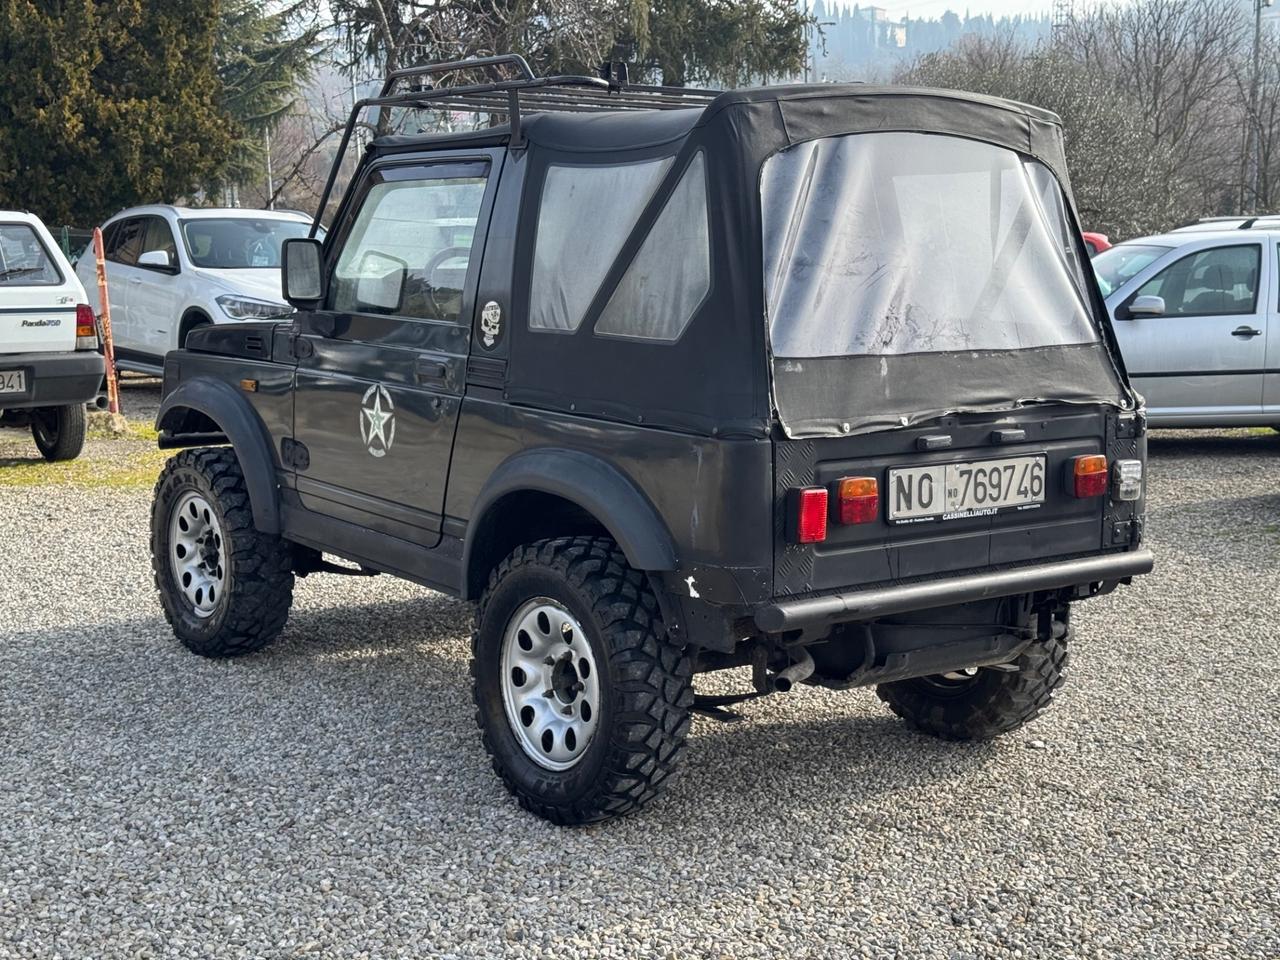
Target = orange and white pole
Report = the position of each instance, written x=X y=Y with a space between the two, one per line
x=104 y=321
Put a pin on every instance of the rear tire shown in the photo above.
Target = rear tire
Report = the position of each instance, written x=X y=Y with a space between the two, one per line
x=59 y=431
x=225 y=586
x=990 y=703
x=550 y=608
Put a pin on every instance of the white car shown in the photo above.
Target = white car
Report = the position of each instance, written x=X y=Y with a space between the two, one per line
x=171 y=269
x=1195 y=313
x=50 y=365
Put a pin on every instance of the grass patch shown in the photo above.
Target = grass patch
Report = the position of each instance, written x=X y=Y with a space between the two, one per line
x=126 y=466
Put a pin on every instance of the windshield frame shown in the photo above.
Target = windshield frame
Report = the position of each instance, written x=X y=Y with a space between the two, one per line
x=185 y=222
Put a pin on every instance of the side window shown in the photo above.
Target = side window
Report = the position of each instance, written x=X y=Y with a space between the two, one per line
x=126 y=245
x=158 y=236
x=577 y=242
x=671 y=273
x=407 y=252
x=1216 y=282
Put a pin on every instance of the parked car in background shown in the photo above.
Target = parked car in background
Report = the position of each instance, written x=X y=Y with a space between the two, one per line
x=50 y=366
x=1192 y=310
x=172 y=269
x=1095 y=243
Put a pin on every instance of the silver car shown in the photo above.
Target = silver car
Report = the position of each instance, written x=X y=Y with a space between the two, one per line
x=1196 y=316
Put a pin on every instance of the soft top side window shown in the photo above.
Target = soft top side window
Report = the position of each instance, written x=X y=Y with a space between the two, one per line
x=671 y=273
x=585 y=215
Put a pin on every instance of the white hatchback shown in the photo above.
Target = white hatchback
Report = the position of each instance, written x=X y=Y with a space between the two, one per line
x=172 y=269
x=50 y=366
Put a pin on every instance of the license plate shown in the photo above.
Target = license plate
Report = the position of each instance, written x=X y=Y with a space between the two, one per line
x=13 y=381
x=950 y=491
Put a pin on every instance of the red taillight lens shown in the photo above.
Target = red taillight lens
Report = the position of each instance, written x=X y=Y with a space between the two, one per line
x=84 y=321
x=86 y=328
x=858 y=500
x=810 y=515
x=1090 y=475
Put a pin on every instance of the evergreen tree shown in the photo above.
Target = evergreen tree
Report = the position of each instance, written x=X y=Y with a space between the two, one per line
x=104 y=105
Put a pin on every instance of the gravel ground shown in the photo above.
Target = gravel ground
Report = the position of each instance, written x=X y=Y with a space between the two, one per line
x=329 y=796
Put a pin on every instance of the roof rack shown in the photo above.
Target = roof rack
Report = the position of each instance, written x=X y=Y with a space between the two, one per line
x=511 y=88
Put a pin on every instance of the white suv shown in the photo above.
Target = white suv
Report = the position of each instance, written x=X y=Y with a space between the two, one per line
x=171 y=269
x=50 y=366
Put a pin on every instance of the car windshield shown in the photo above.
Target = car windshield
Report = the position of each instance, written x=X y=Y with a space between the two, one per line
x=1115 y=267
x=237 y=243
x=24 y=262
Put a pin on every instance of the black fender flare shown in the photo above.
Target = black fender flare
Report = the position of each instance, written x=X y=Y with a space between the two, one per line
x=243 y=429
x=590 y=483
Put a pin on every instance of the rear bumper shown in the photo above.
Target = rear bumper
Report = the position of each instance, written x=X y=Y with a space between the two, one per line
x=54 y=379
x=881 y=602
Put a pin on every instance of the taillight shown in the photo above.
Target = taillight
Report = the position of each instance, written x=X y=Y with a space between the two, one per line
x=86 y=328
x=1090 y=475
x=858 y=500
x=809 y=515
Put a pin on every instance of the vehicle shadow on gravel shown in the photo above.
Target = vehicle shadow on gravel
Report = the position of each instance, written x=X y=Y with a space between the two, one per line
x=1187 y=445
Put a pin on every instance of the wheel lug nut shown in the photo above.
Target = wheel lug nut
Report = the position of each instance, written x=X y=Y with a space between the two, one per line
x=548 y=694
x=567 y=711
x=550 y=661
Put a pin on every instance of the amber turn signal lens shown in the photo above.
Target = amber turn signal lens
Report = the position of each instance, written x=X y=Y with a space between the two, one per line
x=809 y=515
x=858 y=499
x=1090 y=475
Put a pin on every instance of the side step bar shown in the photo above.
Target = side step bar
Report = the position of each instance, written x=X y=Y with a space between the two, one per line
x=881 y=602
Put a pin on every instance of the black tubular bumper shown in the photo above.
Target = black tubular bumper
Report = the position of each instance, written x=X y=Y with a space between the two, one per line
x=881 y=602
x=54 y=379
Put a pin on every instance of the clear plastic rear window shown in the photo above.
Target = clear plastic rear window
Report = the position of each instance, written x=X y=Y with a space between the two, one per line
x=24 y=262
x=900 y=243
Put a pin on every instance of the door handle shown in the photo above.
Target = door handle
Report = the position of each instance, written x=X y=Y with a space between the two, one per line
x=1245 y=333
x=432 y=371
x=135 y=279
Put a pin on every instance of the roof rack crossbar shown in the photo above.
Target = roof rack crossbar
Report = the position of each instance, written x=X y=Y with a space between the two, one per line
x=511 y=95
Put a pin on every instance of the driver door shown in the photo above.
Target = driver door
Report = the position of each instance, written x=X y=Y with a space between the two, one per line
x=381 y=368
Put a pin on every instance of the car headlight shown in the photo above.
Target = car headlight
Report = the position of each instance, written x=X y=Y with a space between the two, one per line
x=243 y=308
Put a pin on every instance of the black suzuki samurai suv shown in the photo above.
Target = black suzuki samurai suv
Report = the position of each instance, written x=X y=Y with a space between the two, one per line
x=813 y=380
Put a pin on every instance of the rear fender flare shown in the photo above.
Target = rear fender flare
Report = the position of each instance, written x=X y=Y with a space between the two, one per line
x=595 y=486
x=244 y=430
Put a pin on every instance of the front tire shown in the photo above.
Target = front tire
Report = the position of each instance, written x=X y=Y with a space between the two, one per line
x=986 y=704
x=582 y=699
x=225 y=587
x=59 y=431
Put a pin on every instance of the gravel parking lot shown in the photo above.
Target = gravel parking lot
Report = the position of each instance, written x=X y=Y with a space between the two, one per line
x=329 y=796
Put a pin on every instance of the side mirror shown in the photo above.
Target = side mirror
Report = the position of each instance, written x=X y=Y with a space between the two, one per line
x=156 y=258
x=301 y=274
x=1146 y=307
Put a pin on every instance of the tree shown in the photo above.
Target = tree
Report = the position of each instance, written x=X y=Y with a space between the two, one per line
x=262 y=58
x=1121 y=177
x=105 y=105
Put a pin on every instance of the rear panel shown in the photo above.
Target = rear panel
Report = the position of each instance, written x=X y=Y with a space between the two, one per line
x=882 y=551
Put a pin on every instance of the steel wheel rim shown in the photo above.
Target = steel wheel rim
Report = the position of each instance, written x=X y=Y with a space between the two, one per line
x=550 y=684
x=46 y=427
x=196 y=555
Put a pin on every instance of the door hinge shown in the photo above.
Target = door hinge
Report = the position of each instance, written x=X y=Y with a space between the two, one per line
x=294 y=454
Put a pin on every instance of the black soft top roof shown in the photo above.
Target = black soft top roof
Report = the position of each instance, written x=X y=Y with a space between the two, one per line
x=800 y=112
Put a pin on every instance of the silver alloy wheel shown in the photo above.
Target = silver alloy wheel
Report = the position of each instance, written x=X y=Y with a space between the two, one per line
x=550 y=685
x=196 y=554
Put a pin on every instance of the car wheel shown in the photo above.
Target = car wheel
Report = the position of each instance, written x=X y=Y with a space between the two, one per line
x=59 y=431
x=985 y=702
x=583 y=700
x=225 y=586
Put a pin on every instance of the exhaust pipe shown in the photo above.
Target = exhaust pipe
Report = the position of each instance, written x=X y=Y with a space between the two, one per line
x=798 y=672
x=99 y=402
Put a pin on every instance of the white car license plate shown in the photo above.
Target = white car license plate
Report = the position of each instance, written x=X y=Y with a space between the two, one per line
x=953 y=490
x=13 y=381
